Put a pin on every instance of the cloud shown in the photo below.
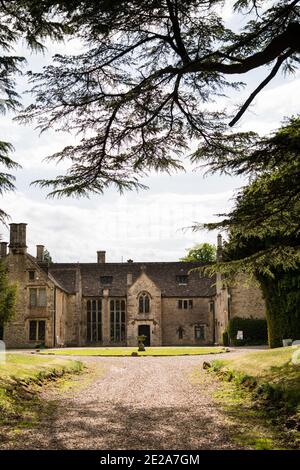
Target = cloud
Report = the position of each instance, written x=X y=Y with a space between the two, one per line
x=147 y=227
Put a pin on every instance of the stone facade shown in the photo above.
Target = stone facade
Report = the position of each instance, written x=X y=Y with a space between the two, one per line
x=103 y=303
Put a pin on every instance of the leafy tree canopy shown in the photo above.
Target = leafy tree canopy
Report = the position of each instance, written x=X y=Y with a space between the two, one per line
x=144 y=85
x=25 y=20
x=203 y=252
x=7 y=297
x=263 y=226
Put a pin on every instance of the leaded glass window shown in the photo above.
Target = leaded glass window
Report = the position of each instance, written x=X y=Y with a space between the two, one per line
x=37 y=330
x=94 y=320
x=117 y=320
x=144 y=303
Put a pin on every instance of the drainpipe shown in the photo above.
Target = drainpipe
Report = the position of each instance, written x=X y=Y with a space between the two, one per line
x=54 y=318
x=214 y=322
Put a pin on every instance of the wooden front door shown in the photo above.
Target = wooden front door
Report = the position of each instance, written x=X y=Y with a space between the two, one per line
x=145 y=331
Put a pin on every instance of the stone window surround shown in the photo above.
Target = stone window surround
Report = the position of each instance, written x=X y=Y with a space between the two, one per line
x=31 y=275
x=180 y=332
x=182 y=279
x=146 y=303
x=37 y=302
x=106 y=280
x=37 y=320
x=200 y=327
x=182 y=302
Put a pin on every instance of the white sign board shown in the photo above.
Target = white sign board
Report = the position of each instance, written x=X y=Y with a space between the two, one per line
x=240 y=335
x=2 y=352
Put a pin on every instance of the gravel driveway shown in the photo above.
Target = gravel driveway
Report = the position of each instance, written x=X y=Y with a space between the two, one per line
x=137 y=403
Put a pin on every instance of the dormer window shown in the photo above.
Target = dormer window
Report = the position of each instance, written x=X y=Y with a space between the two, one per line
x=144 y=303
x=182 y=279
x=106 y=280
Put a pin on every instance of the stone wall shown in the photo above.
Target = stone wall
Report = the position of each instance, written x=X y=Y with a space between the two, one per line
x=174 y=318
x=153 y=318
x=16 y=332
x=246 y=300
x=242 y=299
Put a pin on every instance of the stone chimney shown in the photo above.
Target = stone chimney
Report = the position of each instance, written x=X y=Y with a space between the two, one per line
x=101 y=257
x=40 y=252
x=219 y=247
x=129 y=279
x=17 y=242
x=3 y=249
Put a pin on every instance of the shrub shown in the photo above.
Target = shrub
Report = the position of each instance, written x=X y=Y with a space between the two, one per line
x=254 y=331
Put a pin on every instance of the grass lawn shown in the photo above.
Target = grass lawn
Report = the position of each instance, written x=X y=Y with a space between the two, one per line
x=29 y=367
x=261 y=363
x=126 y=351
x=261 y=392
x=20 y=379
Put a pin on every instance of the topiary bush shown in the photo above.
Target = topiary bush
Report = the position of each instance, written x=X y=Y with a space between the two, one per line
x=255 y=331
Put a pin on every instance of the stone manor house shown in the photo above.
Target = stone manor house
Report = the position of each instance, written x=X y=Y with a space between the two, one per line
x=101 y=303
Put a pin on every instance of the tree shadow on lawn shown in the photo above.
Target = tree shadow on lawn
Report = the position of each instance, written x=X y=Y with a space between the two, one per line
x=124 y=427
x=267 y=410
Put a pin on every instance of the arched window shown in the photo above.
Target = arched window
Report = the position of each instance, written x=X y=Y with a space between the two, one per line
x=144 y=303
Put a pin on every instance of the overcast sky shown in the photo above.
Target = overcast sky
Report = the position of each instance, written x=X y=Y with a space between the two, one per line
x=144 y=226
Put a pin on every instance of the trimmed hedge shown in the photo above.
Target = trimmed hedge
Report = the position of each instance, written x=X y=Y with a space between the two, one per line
x=255 y=331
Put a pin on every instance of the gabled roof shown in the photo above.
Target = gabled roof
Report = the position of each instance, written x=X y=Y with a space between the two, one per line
x=162 y=274
x=44 y=268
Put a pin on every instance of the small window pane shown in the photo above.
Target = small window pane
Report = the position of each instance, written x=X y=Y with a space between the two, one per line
x=117 y=320
x=42 y=298
x=190 y=304
x=122 y=332
x=106 y=280
x=199 y=332
x=31 y=275
x=182 y=279
x=180 y=332
x=147 y=304
x=32 y=297
x=42 y=330
x=32 y=330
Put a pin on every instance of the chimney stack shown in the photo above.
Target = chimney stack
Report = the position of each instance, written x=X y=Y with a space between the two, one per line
x=3 y=249
x=40 y=252
x=129 y=279
x=17 y=242
x=101 y=257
